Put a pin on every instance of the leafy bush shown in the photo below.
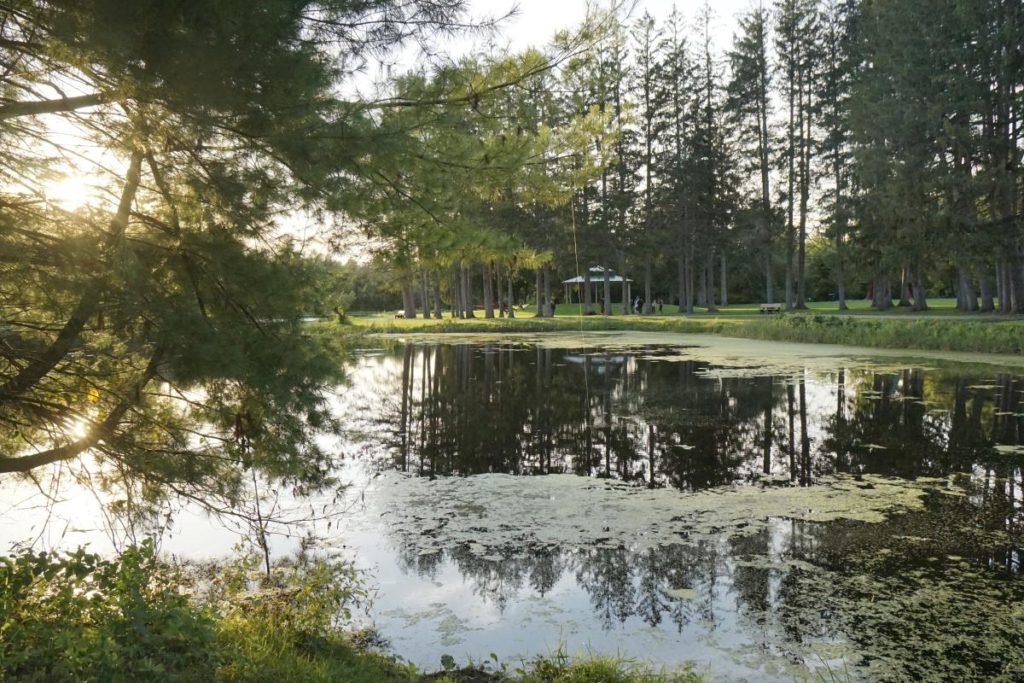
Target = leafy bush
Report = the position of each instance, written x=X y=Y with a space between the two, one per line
x=80 y=617
x=84 y=618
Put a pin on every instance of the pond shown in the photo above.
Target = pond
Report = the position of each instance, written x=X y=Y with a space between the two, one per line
x=765 y=511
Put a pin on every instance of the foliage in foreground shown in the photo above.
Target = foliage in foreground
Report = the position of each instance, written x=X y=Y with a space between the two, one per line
x=80 y=617
x=561 y=668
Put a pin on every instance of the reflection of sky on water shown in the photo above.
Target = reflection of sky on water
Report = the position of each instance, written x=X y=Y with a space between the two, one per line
x=656 y=422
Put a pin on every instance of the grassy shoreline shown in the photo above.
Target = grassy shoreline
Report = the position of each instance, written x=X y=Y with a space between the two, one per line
x=988 y=335
x=77 y=616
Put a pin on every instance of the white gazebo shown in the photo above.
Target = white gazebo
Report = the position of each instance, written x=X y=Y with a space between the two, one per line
x=597 y=276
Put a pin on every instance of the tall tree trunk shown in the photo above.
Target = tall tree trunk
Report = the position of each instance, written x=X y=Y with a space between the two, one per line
x=408 y=299
x=725 y=288
x=539 y=307
x=702 y=287
x=689 y=280
x=511 y=295
x=437 y=297
x=791 y=191
x=1015 y=279
x=906 y=286
x=587 y=300
x=967 y=299
x=987 y=304
x=919 y=301
x=1005 y=295
x=805 y=188
x=711 y=282
x=841 y=268
x=549 y=306
x=488 y=271
x=881 y=295
x=647 y=284
x=766 y=198
x=681 y=272
x=455 y=284
x=624 y=293
x=467 y=293
x=607 y=307
x=497 y=291
x=425 y=296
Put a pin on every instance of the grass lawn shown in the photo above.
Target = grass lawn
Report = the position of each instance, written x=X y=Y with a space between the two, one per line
x=942 y=328
x=936 y=307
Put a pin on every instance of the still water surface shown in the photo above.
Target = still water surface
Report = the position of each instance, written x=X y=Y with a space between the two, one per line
x=768 y=512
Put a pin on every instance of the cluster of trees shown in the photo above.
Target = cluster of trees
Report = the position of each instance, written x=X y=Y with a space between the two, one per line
x=157 y=326
x=892 y=127
x=886 y=132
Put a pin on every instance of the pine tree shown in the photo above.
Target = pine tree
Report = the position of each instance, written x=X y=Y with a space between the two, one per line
x=750 y=102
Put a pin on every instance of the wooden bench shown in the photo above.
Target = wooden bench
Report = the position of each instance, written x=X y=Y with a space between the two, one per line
x=771 y=308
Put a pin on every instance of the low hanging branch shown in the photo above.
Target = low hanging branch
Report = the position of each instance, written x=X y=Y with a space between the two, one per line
x=16 y=109
x=45 y=362
x=97 y=433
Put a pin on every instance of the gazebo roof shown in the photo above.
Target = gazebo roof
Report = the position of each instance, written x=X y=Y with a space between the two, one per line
x=596 y=275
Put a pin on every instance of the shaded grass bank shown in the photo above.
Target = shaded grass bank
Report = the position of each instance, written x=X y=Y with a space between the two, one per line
x=977 y=336
x=82 y=617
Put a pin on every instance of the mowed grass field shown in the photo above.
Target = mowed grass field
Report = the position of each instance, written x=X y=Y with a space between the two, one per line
x=941 y=328
x=936 y=308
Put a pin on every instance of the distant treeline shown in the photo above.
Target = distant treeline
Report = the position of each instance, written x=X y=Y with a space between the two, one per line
x=835 y=147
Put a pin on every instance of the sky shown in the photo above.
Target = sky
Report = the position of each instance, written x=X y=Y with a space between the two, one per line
x=539 y=19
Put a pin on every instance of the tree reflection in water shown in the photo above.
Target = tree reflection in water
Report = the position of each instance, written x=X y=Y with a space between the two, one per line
x=466 y=409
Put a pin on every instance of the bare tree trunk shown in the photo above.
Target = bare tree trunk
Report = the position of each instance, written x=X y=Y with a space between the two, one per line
x=999 y=285
x=467 y=298
x=488 y=270
x=711 y=282
x=725 y=288
x=437 y=297
x=881 y=297
x=967 y=299
x=1015 y=281
x=587 y=300
x=455 y=282
x=511 y=296
x=647 y=285
x=624 y=293
x=702 y=287
x=497 y=290
x=425 y=296
x=805 y=183
x=791 y=193
x=408 y=300
x=689 y=280
x=920 y=303
x=841 y=271
x=606 y=307
x=769 y=286
x=906 y=284
x=683 y=292
x=549 y=307
x=539 y=307
x=987 y=303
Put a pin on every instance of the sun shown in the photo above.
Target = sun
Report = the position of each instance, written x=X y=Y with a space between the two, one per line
x=70 y=192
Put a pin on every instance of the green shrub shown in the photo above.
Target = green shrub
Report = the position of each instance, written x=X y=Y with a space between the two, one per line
x=79 y=617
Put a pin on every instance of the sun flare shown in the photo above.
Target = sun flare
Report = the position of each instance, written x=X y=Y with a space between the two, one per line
x=71 y=192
